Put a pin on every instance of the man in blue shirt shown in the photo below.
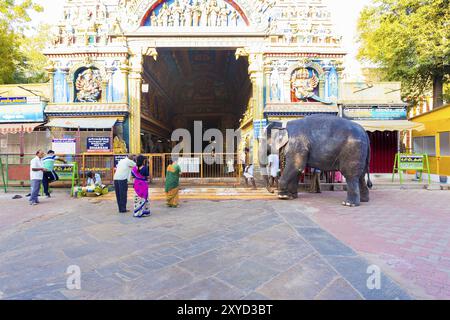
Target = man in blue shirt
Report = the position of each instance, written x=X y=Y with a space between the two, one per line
x=50 y=174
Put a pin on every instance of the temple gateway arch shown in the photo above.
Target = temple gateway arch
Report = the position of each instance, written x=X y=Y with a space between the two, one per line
x=145 y=68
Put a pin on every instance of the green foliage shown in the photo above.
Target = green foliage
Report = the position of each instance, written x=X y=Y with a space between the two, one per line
x=409 y=41
x=16 y=59
x=32 y=68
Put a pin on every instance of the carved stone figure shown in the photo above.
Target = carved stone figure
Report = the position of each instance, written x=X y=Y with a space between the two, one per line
x=88 y=86
x=224 y=12
x=153 y=20
x=234 y=18
x=206 y=13
x=164 y=14
x=176 y=13
x=196 y=14
x=204 y=18
x=186 y=16
x=119 y=146
x=303 y=84
x=213 y=13
x=274 y=89
x=70 y=35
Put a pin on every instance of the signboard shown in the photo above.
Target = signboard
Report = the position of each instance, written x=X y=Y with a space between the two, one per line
x=374 y=113
x=12 y=112
x=189 y=165
x=13 y=100
x=411 y=162
x=64 y=146
x=417 y=162
x=67 y=172
x=98 y=144
x=64 y=171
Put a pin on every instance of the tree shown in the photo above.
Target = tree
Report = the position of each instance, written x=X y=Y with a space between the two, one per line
x=13 y=19
x=33 y=63
x=409 y=41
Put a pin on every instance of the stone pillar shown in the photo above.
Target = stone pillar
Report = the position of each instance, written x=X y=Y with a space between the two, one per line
x=340 y=71
x=267 y=81
x=66 y=94
x=135 y=84
x=326 y=82
x=285 y=83
x=103 y=97
x=51 y=75
x=257 y=78
x=125 y=70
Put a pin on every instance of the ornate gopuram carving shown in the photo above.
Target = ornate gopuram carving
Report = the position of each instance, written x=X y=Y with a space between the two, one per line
x=109 y=58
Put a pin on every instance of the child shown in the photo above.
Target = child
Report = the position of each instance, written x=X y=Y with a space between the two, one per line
x=50 y=174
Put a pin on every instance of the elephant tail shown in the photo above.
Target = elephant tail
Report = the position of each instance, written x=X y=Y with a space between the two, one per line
x=369 y=183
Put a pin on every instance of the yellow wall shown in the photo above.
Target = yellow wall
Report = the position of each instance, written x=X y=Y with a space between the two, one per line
x=435 y=121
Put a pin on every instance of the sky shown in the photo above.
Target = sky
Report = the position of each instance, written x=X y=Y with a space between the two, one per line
x=344 y=13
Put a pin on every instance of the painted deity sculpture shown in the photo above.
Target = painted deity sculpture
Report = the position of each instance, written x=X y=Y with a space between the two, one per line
x=303 y=84
x=88 y=85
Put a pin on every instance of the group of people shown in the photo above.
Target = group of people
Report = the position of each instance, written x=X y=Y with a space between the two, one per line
x=137 y=168
x=273 y=170
x=42 y=171
x=129 y=168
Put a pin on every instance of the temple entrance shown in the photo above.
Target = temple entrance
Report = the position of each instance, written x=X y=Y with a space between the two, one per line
x=187 y=85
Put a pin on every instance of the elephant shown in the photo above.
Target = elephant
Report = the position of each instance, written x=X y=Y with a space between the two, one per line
x=325 y=142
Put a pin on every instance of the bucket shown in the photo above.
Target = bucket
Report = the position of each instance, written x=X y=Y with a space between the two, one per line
x=443 y=179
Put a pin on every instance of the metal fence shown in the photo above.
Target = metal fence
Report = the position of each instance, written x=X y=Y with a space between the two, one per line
x=198 y=169
x=208 y=169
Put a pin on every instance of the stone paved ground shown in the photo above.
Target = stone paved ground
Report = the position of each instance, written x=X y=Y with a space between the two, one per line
x=224 y=249
x=405 y=231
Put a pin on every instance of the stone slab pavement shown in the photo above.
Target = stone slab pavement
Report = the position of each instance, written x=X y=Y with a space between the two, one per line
x=406 y=232
x=252 y=249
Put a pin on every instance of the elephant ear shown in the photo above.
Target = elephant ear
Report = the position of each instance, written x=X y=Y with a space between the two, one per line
x=280 y=138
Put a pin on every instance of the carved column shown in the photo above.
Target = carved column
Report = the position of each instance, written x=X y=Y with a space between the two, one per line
x=285 y=85
x=340 y=71
x=66 y=94
x=325 y=82
x=104 y=98
x=51 y=75
x=267 y=81
x=257 y=78
x=125 y=70
x=135 y=84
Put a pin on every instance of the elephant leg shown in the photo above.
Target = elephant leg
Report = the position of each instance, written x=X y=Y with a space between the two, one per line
x=363 y=189
x=353 y=197
x=293 y=188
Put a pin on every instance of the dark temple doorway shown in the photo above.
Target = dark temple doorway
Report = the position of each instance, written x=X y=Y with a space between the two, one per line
x=187 y=85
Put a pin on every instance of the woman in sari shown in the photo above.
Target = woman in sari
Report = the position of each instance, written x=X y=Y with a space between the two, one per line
x=172 y=183
x=140 y=174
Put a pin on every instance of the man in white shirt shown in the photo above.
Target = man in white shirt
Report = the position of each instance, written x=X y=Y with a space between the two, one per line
x=273 y=166
x=36 y=176
x=248 y=175
x=121 y=177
